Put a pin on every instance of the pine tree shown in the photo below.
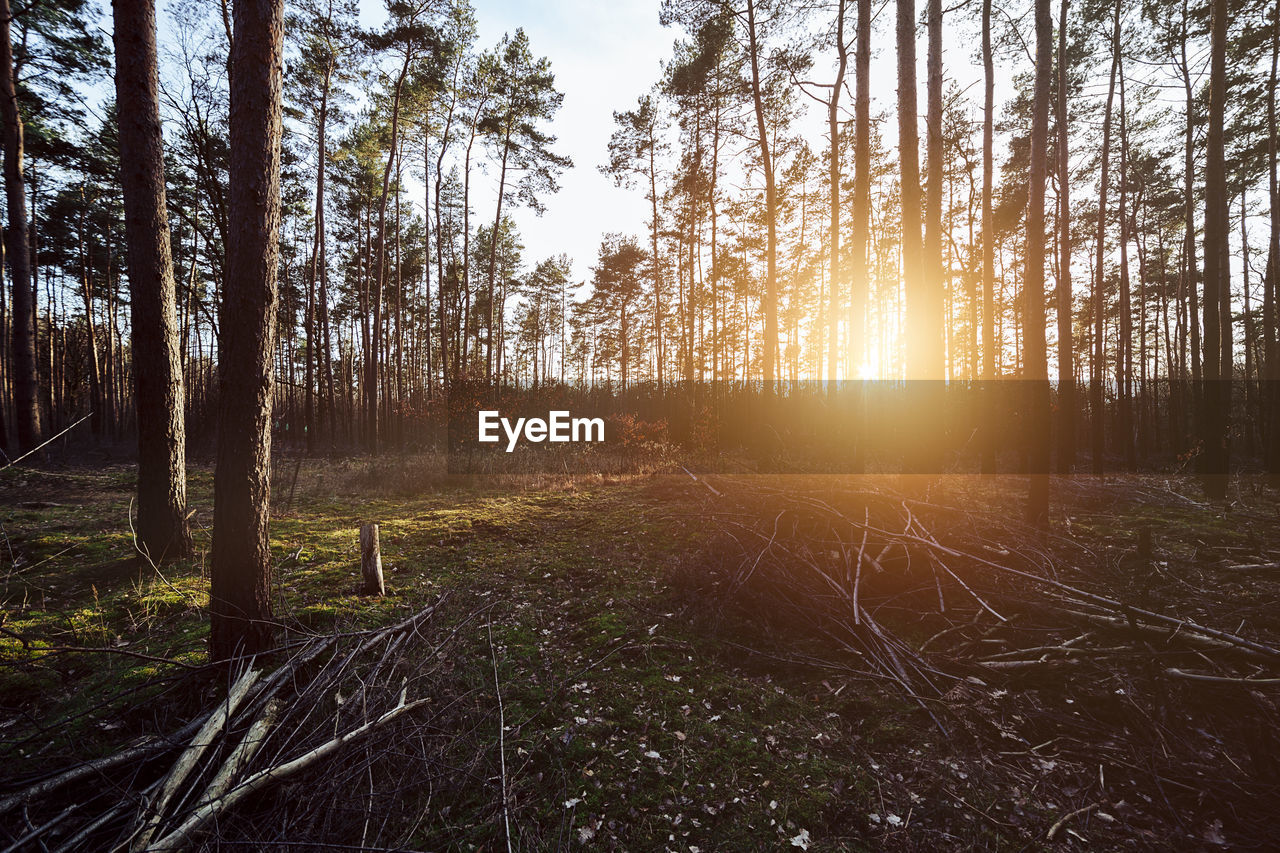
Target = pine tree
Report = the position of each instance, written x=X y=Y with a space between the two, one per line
x=163 y=531
x=240 y=596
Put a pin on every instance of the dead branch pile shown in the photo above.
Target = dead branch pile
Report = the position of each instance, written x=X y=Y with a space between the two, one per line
x=839 y=559
x=1103 y=663
x=300 y=751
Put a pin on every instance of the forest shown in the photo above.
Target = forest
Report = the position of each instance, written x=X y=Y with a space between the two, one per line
x=832 y=424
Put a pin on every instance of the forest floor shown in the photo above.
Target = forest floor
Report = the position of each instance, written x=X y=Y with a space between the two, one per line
x=639 y=710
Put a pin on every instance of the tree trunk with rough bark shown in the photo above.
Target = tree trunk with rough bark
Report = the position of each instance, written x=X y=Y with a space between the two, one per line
x=1216 y=396
x=240 y=598
x=1035 y=356
x=26 y=405
x=163 y=532
x=1066 y=348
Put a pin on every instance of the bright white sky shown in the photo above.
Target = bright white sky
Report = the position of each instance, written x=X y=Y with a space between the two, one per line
x=604 y=55
x=607 y=54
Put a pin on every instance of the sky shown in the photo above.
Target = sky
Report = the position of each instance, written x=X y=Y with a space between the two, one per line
x=604 y=55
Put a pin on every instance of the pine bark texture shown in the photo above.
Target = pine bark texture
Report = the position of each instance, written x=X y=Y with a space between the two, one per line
x=26 y=405
x=163 y=532
x=241 y=590
x=1036 y=358
x=1216 y=396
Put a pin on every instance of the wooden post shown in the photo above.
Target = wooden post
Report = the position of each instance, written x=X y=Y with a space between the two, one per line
x=371 y=560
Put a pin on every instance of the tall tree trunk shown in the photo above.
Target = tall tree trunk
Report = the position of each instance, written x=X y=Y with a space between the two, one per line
x=1189 y=201
x=317 y=254
x=489 y=361
x=162 y=470
x=923 y=326
x=26 y=405
x=833 y=130
x=1252 y=417
x=371 y=366
x=91 y=343
x=1216 y=397
x=654 y=259
x=1097 y=368
x=770 y=343
x=1066 y=348
x=446 y=137
x=859 y=280
x=460 y=352
x=1035 y=358
x=1271 y=357
x=1124 y=347
x=240 y=598
x=930 y=310
x=988 y=461
x=909 y=163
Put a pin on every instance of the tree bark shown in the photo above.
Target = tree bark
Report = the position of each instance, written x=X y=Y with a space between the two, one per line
x=26 y=405
x=918 y=365
x=932 y=362
x=371 y=560
x=1216 y=396
x=1271 y=358
x=1035 y=356
x=654 y=259
x=1066 y=348
x=1097 y=368
x=833 y=130
x=240 y=598
x=770 y=343
x=859 y=281
x=1189 y=201
x=163 y=531
x=988 y=461
x=1124 y=346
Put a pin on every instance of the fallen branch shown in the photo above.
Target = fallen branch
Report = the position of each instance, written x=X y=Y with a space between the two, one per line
x=191 y=756
x=180 y=837
x=42 y=444
x=1067 y=818
x=100 y=765
x=1218 y=679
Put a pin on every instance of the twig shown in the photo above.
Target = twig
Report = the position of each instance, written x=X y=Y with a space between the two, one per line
x=49 y=441
x=713 y=489
x=100 y=765
x=36 y=831
x=502 y=741
x=109 y=650
x=1218 y=679
x=1062 y=821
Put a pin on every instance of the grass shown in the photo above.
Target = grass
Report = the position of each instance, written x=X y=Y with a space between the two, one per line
x=631 y=723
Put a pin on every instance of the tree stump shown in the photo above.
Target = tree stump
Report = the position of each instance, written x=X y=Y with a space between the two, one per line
x=371 y=560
